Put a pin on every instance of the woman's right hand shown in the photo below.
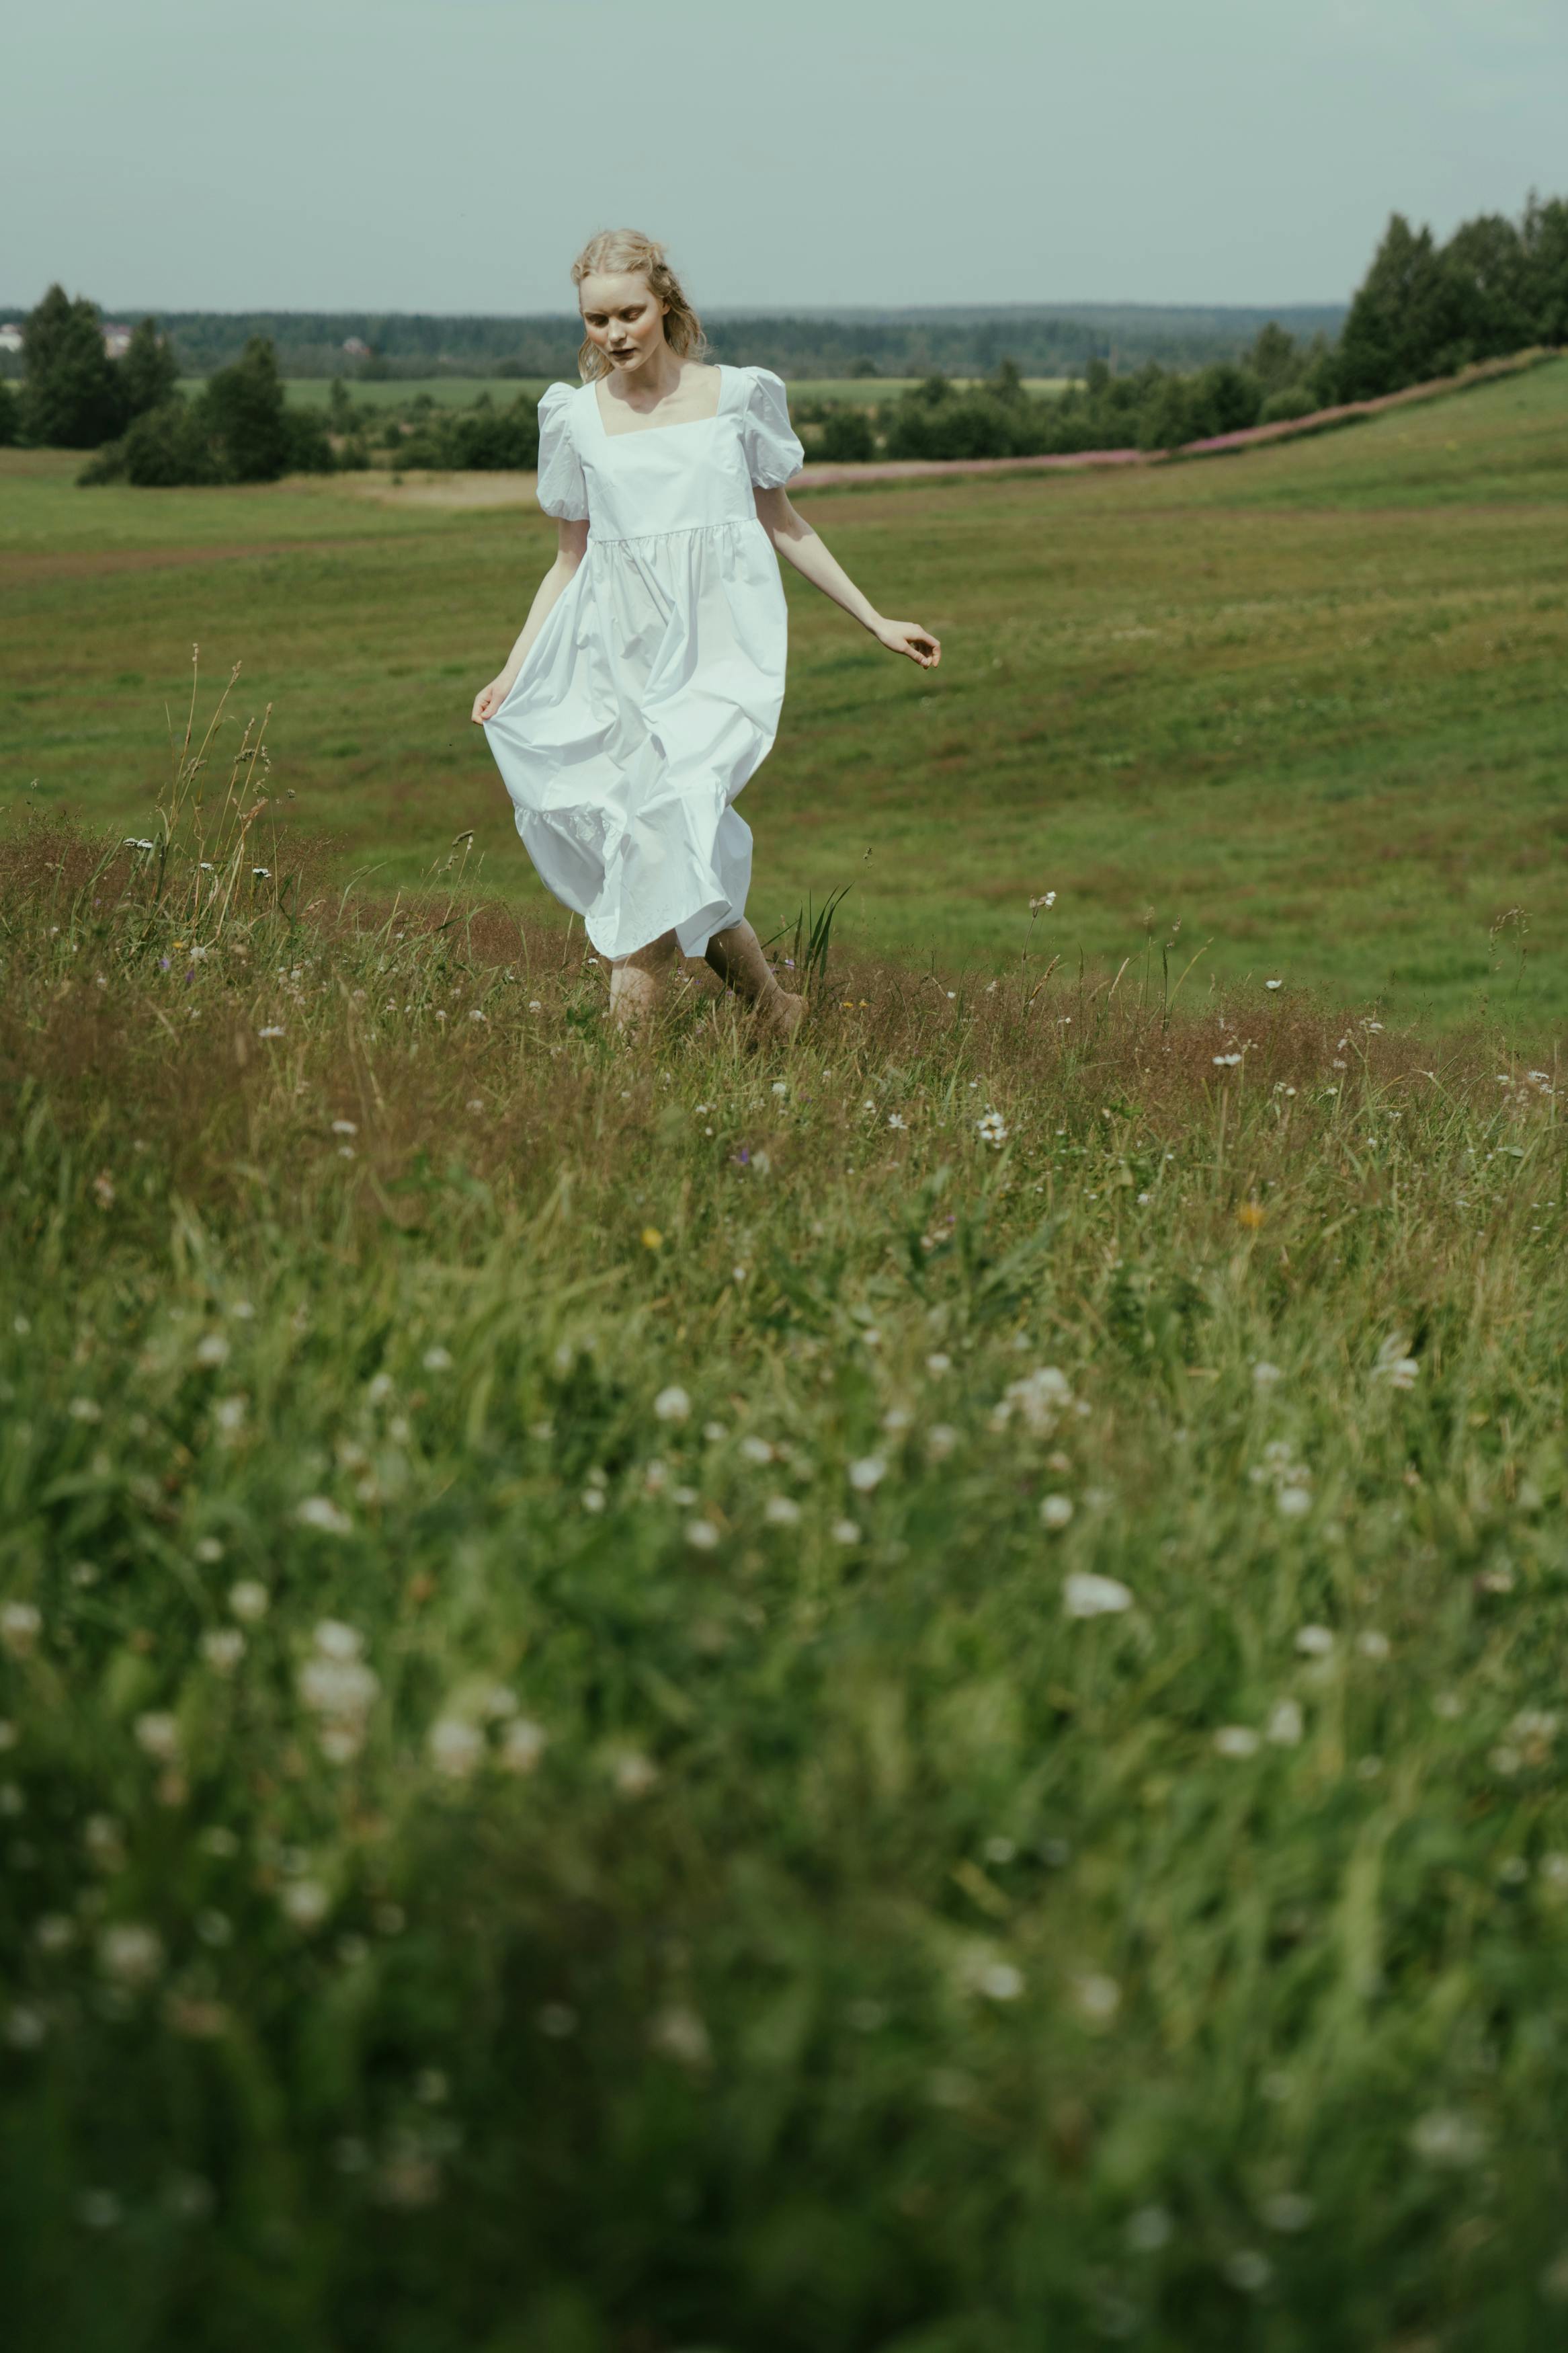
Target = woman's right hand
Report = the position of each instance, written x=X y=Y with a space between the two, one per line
x=489 y=700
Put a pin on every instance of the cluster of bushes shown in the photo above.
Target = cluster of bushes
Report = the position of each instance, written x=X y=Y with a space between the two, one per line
x=238 y=428
x=480 y=439
x=1152 y=408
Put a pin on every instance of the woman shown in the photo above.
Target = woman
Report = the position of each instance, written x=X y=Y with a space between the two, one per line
x=644 y=688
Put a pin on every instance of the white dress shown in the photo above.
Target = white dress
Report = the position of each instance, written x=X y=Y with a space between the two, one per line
x=652 y=692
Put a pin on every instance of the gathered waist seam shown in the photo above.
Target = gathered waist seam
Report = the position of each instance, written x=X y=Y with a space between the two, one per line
x=681 y=531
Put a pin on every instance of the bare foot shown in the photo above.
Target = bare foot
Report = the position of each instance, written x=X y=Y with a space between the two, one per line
x=780 y=1018
x=633 y=996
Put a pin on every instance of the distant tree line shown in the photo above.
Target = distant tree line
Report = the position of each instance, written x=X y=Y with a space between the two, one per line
x=1056 y=342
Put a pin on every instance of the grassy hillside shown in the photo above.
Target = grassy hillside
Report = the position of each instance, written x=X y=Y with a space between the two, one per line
x=895 y=1703
x=1306 y=704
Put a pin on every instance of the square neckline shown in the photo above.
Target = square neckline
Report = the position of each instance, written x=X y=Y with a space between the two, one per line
x=681 y=424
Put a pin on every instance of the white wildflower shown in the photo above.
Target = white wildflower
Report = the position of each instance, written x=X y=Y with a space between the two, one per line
x=1056 y=1511
x=1315 y=1642
x=1148 y=2230
x=679 y=2034
x=866 y=1473
x=1287 y=2210
x=701 y=1535
x=1038 y=1400
x=1249 y=2270
x=782 y=1512
x=522 y=1744
x=1000 y=1981
x=635 y=1774
x=249 y=1600
x=1085 y=1595
x=1284 y=1726
x=130 y=1953
x=158 y=1734
x=1443 y=2136
x=436 y=1360
x=1235 y=1740
x=305 y=1902
x=992 y=1128
x=1265 y=1374
x=1395 y=1364
x=20 y=1626
x=672 y=1403
x=456 y=1747
x=1097 y=1996
x=321 y=1512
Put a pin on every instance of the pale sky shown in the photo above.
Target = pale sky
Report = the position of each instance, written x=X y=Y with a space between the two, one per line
x=451 y=155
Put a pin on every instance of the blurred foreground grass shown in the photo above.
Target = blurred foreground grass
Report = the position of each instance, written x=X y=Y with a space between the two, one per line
x=653 y=1698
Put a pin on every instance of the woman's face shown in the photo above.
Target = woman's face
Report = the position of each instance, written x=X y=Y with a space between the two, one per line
x=622 y=315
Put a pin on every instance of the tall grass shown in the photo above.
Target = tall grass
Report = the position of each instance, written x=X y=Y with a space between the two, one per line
x=908 y=1697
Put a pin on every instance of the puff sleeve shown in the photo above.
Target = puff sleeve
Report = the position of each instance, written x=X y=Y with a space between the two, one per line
x=773 y=452
x=562 y=492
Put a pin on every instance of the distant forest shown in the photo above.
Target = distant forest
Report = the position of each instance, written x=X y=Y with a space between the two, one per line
x=1059 y=341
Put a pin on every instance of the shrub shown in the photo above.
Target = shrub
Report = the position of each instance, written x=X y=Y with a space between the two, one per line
x=1166 y=420
x=1290 y=400
x=848 y=438
x=10 y=415
x=309 y=451
x=492 y=440
x=952 y=425
x=1225 y=399
x=171 y=446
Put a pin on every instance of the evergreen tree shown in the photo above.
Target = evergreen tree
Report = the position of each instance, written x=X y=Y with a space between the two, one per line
x=243 y=410
x=149 y=371
x=1544 y=240
x=1489 y=277
x=74 y=395
x=1275 y=358
x=10 y=418
x=1407 y=321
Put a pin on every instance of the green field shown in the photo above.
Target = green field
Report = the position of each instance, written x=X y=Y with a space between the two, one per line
x=1307 y=703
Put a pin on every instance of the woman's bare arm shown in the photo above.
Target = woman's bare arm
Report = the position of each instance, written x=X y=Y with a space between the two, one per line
x=572 y=539
x=800 y=545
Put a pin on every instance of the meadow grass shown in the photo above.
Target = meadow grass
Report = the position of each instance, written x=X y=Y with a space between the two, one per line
x=1307 y=702
x=653 y=1697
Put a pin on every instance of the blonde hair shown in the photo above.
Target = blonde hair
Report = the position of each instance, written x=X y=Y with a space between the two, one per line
x=616 y=249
